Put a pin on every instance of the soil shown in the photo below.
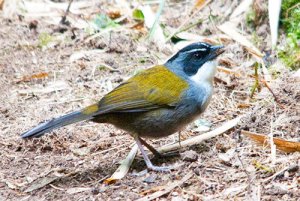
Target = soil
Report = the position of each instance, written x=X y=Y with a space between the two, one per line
x=79 y=157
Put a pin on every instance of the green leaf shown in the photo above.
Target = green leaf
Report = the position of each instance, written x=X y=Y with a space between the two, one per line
x=138 y=14
x=102 y=21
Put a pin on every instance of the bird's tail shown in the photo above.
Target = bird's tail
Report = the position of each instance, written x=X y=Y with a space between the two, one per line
x=57 y=123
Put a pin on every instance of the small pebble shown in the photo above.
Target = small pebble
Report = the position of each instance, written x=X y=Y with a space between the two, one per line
x=189 y=156
x=151 y=178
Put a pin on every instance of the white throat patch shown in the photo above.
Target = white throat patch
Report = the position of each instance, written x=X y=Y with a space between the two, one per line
x=205 y=73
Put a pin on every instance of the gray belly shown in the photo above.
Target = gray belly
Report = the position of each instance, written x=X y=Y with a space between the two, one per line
x=165 y=121
x=153 y=124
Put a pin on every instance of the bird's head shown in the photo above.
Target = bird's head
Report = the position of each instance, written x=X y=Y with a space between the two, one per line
x=196 y=61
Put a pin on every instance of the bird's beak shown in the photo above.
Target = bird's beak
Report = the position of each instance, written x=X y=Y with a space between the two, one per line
x=215 y=51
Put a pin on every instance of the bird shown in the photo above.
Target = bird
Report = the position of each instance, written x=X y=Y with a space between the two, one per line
x=154 y=103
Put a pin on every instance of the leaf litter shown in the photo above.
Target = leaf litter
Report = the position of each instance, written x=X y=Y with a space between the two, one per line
x=229 y=166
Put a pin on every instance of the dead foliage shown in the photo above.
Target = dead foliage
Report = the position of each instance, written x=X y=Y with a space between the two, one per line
x=49 y=67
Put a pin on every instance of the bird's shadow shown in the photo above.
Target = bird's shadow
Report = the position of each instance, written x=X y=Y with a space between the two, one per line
x=167 y=158
x=98 y=174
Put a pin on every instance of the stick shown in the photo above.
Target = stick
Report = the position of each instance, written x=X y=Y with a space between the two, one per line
x=197 y=139
x=64 y=18
x=280 y=173
x=186 y=21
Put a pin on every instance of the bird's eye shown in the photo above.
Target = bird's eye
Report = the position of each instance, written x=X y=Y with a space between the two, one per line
x=197 y=55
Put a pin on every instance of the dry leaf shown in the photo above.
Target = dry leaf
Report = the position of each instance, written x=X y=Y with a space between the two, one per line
x=230 y=29
x=139 y=26
x=150 y=17
x=34 y=76
x=123 y=168
x=199 y=3
x=40 y=183
x=114 y=14
x=281 y=144
x=241 y=8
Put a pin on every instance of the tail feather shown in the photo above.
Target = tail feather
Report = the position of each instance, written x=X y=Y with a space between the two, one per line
x=56 y=123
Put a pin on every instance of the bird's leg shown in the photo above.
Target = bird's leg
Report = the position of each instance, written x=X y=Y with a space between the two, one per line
x=152 y=149
x=155 y=152
x=149 y=164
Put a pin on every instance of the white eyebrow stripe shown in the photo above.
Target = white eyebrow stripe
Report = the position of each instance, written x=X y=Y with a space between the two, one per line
x=204 y=44
x=197 y=50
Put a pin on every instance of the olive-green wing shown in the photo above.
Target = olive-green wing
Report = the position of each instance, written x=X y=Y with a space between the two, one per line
x=153 y=88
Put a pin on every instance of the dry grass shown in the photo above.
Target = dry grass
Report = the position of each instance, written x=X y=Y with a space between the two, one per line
x=79 y=156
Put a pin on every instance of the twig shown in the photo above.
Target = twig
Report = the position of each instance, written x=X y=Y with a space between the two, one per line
x=197 y=139
x=186 y=21
x=64 y=18
x=271 y=142
x=281 y=172
x=57 y=188
x=108 y=67
x=289 y=9
x=167 y=189
x=185 y=28
x=246 y=172
x=275 y=97
x=257 y=85
x=228 y=71
x=192 y=141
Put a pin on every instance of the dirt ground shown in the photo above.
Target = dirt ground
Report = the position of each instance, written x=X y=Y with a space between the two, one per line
x=79 y=157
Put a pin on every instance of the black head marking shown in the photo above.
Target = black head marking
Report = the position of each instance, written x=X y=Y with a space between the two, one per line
x=193 y=56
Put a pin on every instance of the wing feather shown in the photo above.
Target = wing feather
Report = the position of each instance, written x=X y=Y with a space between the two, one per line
x=151 y=89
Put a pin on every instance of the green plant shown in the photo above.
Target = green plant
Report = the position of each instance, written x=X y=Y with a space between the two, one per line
x=102 y=21
x=290 y=19
x=250 y=18
x=44 y=40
